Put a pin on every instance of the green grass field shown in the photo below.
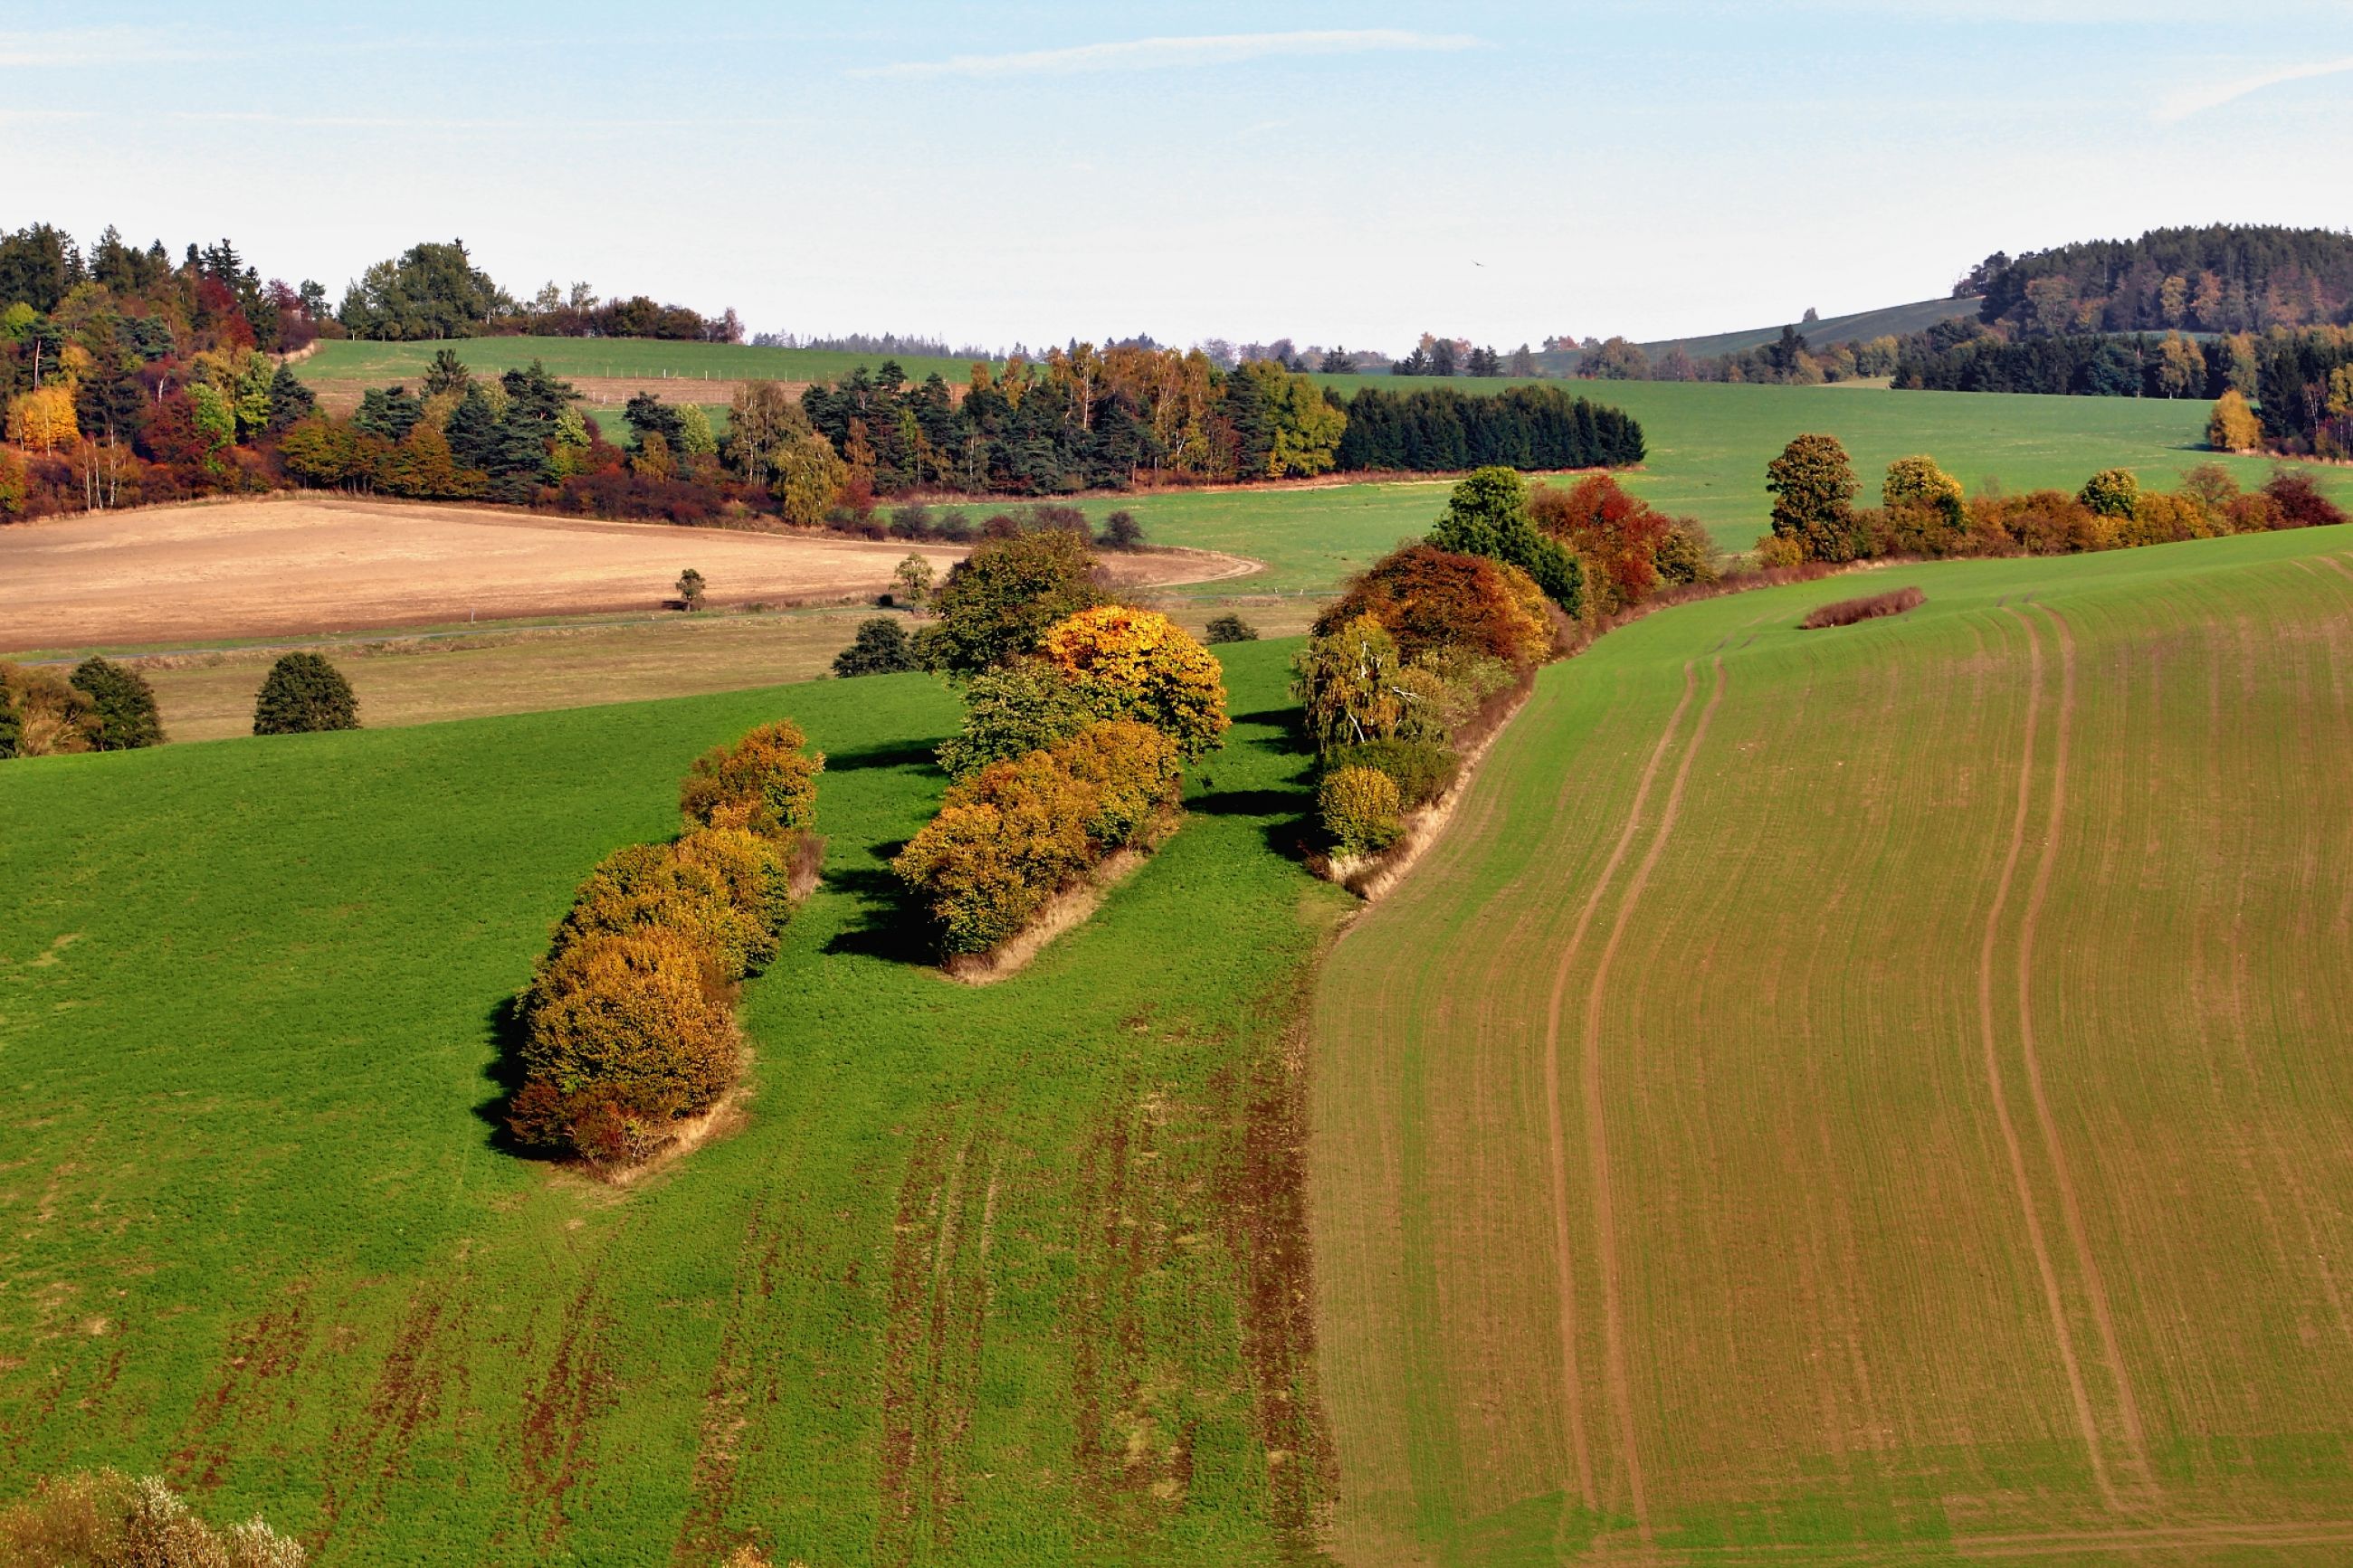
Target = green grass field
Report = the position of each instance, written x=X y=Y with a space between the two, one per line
x=619 y=357
x=991 y=1276
x=1862 y=325
x=1708 y=447
x=1873 y=1095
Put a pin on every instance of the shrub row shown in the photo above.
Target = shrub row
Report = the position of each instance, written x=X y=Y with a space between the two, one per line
x=107 y=1519
x=1847 y=612
x=1017 y=833
x=627 y=1023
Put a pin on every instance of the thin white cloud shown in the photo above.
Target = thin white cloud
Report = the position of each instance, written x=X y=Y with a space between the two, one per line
x=2198 y=100
x=1150 y=53
x=459 y=122
x=56 y=47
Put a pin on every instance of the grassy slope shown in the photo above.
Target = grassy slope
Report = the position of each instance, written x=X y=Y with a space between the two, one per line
x=973 y=1280
x=1864 y=325
x=1708 y=447
x=347 y=360
x=1755 y=1115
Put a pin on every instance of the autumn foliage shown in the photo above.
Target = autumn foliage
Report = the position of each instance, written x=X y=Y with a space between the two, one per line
x=1015 y=834
x=1428 y=598
x=627 y=1024
x=1141 y=665
x=1617 y=534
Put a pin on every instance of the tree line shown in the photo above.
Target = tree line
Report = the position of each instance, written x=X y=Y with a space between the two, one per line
x=2223 y=278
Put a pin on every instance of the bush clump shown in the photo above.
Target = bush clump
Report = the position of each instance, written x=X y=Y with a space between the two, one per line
x=1231 y=627
x=123 y=714
x=764 y=784
x=1420 y=769
x=303 y=694
x=1426 y=598
x=102 y=1519
x=1010 y=711
x=722 y=898
x=1011 y=837
x=623 y=1034
x=1847 y=612
x=1141 y=665
x=1361 y=810
x=881 y=648
x=40 y=715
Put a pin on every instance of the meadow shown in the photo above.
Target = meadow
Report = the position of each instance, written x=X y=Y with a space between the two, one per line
x=1708 y=444
x=1874 y=1094
x=993 y=1275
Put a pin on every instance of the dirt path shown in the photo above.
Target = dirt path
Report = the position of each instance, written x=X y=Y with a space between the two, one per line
x=304 y=565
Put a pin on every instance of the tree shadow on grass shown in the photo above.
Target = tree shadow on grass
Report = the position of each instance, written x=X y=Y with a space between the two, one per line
x=904 y=756
x=890 y=925
x=504 y=1070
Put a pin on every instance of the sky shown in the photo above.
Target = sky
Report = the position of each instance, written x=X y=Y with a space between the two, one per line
x=1352 y=173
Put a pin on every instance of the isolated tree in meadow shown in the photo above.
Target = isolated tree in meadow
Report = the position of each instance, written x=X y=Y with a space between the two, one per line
x=2233 y=427
x=1121 y=531
x=998 y=601
x=913 y=578
x=1812 y=486
x=304 y=693
x=881 y=648
x=123 y=715
x=690 y=588
x=1231 y=627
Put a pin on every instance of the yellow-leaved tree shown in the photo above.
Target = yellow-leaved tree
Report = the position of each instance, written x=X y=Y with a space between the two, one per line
x=2233 y=427
x=1142 y=665
x=42 y=420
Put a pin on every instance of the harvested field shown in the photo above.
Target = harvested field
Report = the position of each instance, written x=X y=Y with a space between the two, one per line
x=1877 y=1097
x=342 y=395
x=304 y=566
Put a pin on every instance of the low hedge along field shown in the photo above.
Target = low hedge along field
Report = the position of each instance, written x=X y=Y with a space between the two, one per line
x=990 y=1274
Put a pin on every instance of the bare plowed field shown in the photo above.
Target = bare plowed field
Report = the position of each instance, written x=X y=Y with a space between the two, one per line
x=302 y=566
x=1877 y=1094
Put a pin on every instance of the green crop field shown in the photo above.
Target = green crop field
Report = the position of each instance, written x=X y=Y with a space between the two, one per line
x=992 y=1275
x=1867 y=1095
x=632 y=358
x=1709 y=444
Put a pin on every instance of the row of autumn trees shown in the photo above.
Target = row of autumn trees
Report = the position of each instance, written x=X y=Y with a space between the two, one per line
x=627 y=1026
x=1080 y=714
x=1112 y=419
x=1416 y=661
x=1924 y=510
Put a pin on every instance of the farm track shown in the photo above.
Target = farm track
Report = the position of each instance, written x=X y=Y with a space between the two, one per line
x=1958 y=1165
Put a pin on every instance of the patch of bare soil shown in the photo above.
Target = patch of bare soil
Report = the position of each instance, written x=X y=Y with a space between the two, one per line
x=308 y=565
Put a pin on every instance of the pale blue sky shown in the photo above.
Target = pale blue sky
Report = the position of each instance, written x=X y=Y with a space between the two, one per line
x=1336 y=172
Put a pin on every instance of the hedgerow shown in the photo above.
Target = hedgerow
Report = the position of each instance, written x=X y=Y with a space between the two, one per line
x=1361 y=810
x=1017 y=833
x=627 y=1024
x=764 y=784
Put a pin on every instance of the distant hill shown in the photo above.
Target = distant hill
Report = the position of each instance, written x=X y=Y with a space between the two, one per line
x=1863 y=325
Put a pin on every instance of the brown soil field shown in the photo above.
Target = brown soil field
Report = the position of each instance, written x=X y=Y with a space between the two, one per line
x=304 y=566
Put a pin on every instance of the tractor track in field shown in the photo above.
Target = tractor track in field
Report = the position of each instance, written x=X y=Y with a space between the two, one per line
x=1557 y=1139
x=1605 y=1218
x=2070 y=1205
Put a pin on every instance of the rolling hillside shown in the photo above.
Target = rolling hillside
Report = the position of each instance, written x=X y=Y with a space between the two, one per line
x=985 y=1275
x=1867 y=1095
